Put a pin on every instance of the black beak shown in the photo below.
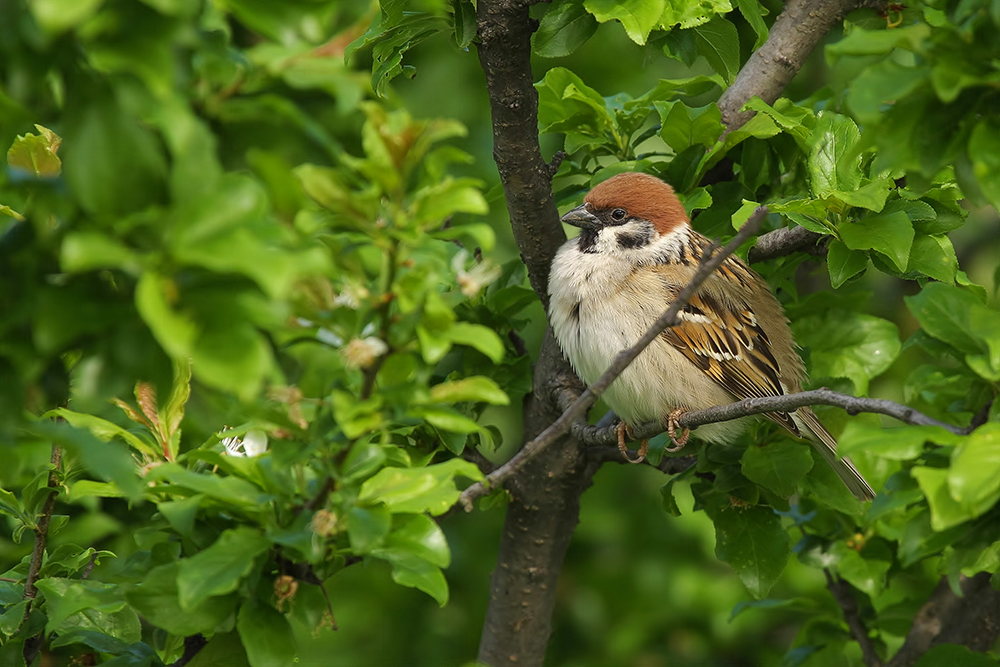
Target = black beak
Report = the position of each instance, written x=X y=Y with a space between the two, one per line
x=582 y=218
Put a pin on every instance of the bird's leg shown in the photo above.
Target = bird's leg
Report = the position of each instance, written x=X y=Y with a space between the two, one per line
x=672 y=431
x=624 y=429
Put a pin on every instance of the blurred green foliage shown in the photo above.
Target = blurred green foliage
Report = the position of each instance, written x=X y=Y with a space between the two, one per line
x=259 y=304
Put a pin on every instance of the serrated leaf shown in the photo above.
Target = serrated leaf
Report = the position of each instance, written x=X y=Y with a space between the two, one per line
x=219 y=569
x=844 y=263
x=36 y=154
x=934 y=257
x=848 y=344
x=778 y=466
x=155 y=597
x=65 y=597
x=638 y=17
x=946 y=512
x=563 y=29
x=753 y=542
x=974 y=475
x=719 y=43
x=266 y=634
x=834 y=160
x=889 y=233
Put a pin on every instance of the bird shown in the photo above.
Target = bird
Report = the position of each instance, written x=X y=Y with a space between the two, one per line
x=635 y=252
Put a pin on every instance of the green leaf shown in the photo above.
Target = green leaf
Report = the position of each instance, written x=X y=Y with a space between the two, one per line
x=478 y=337
x=844 y=263
x=901 y=443
x=266 y=634
x=415 y=572
x=476 y=388
x=753 y=11
x=420 y=536
x=871 y=195
x=222 y=649
x=105 y=430
x=753 y=542
x=156 y=598
x=848 y=344
x=367 y=527
x=219 y=569
x=174 y=331
x=945 y=510
x=834 y=160
x=36 y=154
x=865 y=570
x=638 y=17
x=113 y=164
x=563 y=29
x=435 y=203
x=825 y=486
x=447 y=419
x=956 y=316
x=236 y=492
x=464 y=12
x=56 y=16
x=181 y=514
x=984 y=152
x=109 y=461
x=974 y=475
x=86 y=251
x=934 y=257
x=567 y=104
x=431 y=489
x=719 y=43
x=951 y=655
x=889 y=233
x=683 y=126
x=65 y=597
x=777 y=466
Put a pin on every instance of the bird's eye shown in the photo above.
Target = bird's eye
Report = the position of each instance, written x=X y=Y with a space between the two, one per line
x=618 y=214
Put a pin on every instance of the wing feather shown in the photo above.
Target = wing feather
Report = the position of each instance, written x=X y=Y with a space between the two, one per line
x=725 y=341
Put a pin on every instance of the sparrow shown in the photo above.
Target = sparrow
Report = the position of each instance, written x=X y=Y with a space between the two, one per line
x=635 y=252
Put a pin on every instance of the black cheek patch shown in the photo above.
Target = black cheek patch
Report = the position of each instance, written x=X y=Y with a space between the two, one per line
x=635 y=239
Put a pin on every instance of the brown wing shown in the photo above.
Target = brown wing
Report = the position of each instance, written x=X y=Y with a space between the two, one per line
x=725 y=341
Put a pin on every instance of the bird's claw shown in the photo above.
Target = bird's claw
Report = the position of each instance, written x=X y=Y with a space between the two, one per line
x=672 y=425
x=624 y=429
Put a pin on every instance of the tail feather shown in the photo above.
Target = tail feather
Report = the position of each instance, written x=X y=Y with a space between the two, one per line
x=826 y=445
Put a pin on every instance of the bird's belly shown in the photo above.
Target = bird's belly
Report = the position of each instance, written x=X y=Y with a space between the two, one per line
x=657 y=382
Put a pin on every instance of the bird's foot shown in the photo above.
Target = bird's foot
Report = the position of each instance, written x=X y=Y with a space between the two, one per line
x=624 y=429
x=672 y=426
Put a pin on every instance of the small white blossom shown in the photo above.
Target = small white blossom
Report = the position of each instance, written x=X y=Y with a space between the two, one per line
x=351 y=296
x=253 y=443
x=476 y=278
x=362 y=352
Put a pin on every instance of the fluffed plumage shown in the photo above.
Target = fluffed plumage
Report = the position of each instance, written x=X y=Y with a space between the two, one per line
x=635 y=253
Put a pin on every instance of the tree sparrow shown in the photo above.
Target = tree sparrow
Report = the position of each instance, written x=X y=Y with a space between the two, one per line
x=636 y=251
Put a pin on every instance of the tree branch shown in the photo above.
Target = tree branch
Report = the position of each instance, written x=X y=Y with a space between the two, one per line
x=794 y=35
x=607 y=435
x=842 y=594
x=579 y=407
x=545 y=497
x=972 y=620
x=785 y=241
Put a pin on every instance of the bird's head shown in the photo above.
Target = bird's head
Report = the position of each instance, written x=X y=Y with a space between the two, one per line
x=627 y=212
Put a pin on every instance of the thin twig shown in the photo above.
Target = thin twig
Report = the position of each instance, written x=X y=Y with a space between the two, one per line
x=32 y=647
x=42 y=526
x=712 y=260
x=842 y=594
x=784 y=403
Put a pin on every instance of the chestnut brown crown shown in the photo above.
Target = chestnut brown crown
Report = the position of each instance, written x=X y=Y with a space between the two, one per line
x=642 y=196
